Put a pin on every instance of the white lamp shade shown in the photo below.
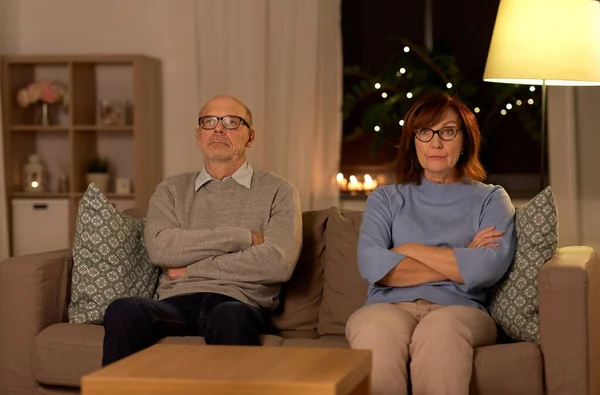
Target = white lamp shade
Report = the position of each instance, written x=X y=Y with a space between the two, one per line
x=553 y=40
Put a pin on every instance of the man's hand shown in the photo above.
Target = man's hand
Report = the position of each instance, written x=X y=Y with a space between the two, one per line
x=486 y=238
x=175 y=273
x=257 y=238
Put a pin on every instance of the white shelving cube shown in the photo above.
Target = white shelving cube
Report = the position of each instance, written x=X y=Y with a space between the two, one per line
x=39 y=225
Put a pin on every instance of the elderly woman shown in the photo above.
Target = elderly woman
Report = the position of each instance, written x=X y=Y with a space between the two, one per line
x=430 y=247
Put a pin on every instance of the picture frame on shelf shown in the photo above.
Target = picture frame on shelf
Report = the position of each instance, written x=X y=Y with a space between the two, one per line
x=114 y=113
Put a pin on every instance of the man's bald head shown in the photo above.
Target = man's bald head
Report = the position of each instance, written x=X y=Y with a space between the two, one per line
x=226 y=101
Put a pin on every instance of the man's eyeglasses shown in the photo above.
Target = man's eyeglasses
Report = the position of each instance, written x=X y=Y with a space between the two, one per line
x=425 y=134
x=230 y=122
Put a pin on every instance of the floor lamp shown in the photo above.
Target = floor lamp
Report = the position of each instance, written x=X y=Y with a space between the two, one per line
x=545 y=42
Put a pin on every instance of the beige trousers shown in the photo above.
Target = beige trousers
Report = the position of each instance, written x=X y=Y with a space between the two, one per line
x=436 y=341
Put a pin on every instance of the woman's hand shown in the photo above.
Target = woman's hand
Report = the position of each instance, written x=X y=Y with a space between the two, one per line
x=486 y=238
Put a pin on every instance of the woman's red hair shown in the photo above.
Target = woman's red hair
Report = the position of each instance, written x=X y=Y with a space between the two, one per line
x=425 y=113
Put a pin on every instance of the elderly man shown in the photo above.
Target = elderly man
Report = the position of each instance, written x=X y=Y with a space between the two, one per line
x=225 y=238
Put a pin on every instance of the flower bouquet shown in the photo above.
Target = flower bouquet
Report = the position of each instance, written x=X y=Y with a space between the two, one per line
x=45 y=93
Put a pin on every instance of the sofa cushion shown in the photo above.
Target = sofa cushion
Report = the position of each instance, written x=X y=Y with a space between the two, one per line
x=63 y=353
x=328 y=341
x=344 y=290
x=265 y=340
x=110 y=260
x=514 y=300
x=301 y=295
x=299 y=334
x=515 y=368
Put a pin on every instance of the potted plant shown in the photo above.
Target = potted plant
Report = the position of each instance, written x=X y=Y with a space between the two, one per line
x=97 y=173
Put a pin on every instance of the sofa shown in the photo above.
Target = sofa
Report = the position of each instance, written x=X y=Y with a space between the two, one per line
x=41 y=353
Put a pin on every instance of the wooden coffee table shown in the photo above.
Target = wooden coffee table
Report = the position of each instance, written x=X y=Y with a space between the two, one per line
x=182 y=369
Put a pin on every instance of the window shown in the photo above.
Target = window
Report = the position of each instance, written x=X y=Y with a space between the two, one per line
x=375 y=38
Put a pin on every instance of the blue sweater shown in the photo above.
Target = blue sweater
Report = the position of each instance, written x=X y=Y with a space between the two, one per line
x=441 y=215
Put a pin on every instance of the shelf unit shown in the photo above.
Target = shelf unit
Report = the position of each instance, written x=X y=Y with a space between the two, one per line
x=134 y=150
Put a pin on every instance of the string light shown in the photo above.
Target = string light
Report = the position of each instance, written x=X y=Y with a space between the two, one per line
x=406 y=49
x=449 y=85
x=339 y=177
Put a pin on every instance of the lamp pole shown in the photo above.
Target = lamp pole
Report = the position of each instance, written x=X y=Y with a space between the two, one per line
x=543 y=153
x=428 y=36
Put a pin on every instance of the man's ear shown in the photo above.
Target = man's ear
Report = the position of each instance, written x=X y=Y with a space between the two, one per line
x=251 y=137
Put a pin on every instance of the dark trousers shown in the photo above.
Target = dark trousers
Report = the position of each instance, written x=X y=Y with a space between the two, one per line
x=132 y=324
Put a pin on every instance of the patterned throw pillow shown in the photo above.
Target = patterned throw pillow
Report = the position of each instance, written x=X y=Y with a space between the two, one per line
x=110 y=260
x=514 y=300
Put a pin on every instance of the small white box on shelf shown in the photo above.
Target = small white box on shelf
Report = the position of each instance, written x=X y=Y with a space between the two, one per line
x=123 y=186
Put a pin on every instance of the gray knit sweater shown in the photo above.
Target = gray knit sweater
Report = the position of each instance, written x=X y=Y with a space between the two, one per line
x=209 y=231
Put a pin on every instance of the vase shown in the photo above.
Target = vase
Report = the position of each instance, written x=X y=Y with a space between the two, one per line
x=45 y=114
x=100 y=179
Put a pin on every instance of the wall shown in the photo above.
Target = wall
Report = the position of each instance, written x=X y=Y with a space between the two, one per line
x=588 y=163
x=573 y=122
x=160 y=28
x=5 y=37
x=562 y=166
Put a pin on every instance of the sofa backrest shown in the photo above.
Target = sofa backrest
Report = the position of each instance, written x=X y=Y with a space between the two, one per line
x=136 y=212
x=301 y=296
x=326 y=287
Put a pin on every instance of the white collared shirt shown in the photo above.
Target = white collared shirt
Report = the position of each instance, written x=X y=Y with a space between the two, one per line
x=242 y=176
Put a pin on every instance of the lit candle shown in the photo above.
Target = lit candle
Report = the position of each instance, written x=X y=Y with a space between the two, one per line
x=354 y=185
x=342 y=182
x=369 y=183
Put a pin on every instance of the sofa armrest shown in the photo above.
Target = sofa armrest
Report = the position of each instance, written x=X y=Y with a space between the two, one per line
x=569 y=288
x=34 y=294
